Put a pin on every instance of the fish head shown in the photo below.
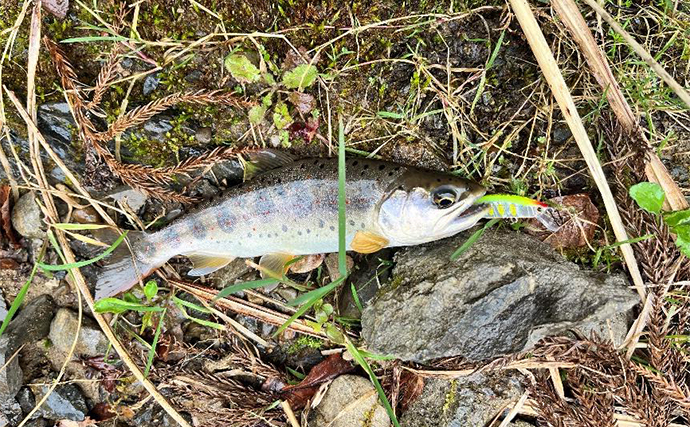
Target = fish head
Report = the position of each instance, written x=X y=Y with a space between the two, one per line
x=423 y=206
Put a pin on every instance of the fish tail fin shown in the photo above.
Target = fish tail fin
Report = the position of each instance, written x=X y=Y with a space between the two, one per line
x=127 y=265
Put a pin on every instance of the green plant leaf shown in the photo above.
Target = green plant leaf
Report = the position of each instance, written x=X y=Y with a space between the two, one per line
x=473 y=238
x=114 y=305
x=281 y=116
x=256 y=114
x=150 y=289
x=154 y=344
x=648 y=195
x=677 y=218
x=241 y=68
x=301 y=76
x=245 y=285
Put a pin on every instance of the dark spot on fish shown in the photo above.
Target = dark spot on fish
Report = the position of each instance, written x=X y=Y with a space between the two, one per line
x=382 y=167
x=438 y=179
x=321 y=166
x=308 y=231
x=355 y=163
x=302 y=166
x=249 y=234
x=362 y=225
x=226 y=221
x=299 y=233
x=261 y=235
x=390 y=173
x=366 y=166
x=352 y=222
x=198 y=230
x=332 y=228
x=361 y=173
x=400 y=187
x=316 y=162
x=397 y=168
x=321 y=223
x=284 y=227
x=279 y=181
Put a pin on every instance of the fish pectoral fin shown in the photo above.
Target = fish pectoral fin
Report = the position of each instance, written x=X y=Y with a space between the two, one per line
x=275 y=265
x=256 y=162
x=206 y=263
x=367 y=242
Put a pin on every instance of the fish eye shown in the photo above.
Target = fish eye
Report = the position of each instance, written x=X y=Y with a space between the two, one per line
x=444 y=198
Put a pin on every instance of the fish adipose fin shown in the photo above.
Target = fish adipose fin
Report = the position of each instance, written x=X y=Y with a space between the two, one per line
x=367 y=242
x=206 y=263
x=275 y=265
x=125 y=267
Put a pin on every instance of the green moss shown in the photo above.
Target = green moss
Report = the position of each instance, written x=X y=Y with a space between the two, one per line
x=304 y=342
x=450 y=397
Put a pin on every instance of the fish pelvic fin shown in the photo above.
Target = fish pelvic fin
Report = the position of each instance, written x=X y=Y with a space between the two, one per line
x=207 y=263
x=127 y=265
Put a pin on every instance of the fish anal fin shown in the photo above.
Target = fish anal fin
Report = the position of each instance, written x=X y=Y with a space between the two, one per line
x=260 y=161
x=275 y=265
x=367 y=242
x=207 y=263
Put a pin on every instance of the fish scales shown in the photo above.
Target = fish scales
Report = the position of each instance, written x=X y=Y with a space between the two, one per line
x=293 y=210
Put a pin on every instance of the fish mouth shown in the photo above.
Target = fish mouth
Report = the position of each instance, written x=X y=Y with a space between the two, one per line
x=474 y=211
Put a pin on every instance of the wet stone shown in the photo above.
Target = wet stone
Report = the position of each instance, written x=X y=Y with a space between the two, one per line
x=65 y=403
x=11 y=374
x=91 y=341
x=151 y=83
x=501 y=296
x=349 y=401
x=27 y=217
x=32 y=323
x=469 y=401
x=203 y=135
x=10 y=413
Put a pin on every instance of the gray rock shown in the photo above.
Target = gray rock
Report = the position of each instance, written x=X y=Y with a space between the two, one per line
x=10 y=413
x=135 y=199
x=153 y=416
x=505 y=293
x=11 y=374
x=26 y=399
x=27 y=217
x=57 y=125
x=471 y=401
x=64 y=403
x=203 y=135
x=32 y=323
x=3 y=306
x=349 y=401
x=91 y=341
x=151 y=83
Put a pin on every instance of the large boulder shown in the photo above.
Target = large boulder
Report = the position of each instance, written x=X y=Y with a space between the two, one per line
x=501 y=296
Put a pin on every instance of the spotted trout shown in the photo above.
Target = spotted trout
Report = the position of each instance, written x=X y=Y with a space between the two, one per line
x=292 y=210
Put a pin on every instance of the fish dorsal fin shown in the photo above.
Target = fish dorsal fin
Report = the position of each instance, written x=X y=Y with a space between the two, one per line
x=275 y=265
x=207 y=263
x=367 y=242
x=256 y=162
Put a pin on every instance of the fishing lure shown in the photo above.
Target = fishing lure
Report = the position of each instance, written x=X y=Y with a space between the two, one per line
x=508 y=206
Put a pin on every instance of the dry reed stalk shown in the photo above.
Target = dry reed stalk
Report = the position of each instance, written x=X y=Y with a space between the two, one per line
x=654 y=169
x=552 y=73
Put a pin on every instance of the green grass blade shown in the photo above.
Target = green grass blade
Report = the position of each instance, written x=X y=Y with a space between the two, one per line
x=20 y=296
x=473 y=238
x=355 y=298
x=316 y=293
x=87 y=262
x=315 y=296
x=342 y=260
x=357 y=355
x=152 y=350
x=489 y=64
x=93 y=39
x=73 y=226
x=245 y=285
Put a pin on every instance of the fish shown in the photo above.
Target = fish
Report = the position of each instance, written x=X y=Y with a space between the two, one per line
x=290 y=208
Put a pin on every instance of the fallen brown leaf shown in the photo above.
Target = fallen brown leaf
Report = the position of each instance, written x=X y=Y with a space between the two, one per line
x=304 y=102
x=411 y=387
x=307 y=263
x=5 y=214
x=576 y=218
x=298 y=395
